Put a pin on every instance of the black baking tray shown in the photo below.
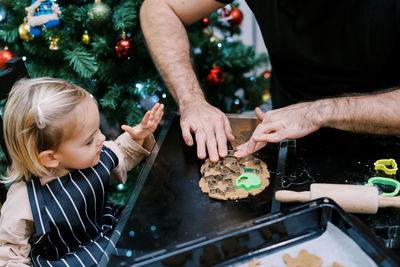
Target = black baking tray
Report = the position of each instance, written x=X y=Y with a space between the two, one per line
x=266 y=235
x=167 y=207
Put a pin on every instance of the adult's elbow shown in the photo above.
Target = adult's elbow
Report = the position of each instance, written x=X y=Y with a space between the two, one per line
x=153 y=10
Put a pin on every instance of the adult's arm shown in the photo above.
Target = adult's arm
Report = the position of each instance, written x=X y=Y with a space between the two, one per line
x=375 y=114
x=163 y=25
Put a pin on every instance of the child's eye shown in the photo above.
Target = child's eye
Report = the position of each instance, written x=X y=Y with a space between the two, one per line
x=91 y=141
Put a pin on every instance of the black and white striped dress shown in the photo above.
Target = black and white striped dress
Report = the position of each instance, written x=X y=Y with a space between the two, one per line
x=72 y=217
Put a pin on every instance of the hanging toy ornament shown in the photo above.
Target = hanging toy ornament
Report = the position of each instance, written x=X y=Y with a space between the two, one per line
x=86 y=38
x=54 y=43
x=42 y=12
x=5 y=55
x=24 y=30
x=125 y=47
x=99 y=14
x=215 y=76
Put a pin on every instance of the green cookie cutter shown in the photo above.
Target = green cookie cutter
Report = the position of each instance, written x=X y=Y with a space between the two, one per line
x=383 y=163
x=385 y=181
x=248 y=181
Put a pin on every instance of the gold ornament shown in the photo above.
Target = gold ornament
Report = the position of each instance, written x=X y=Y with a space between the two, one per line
x=99 y=13
x=54 y=43
x=86 y=38
x=24 y=30
x=266 y=96
x=214 y=39
x=207 y=31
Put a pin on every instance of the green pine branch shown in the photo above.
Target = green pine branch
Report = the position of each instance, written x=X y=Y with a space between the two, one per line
x=82 y=62
x=125 y=16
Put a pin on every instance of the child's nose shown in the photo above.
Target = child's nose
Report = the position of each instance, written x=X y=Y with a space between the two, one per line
x=101 y=139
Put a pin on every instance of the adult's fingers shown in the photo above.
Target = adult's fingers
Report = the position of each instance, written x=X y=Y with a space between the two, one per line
x=260 y=115
x=220 y=139
x=186 y=134
x=273 y=137
x=201 y=143
x=211 y=144
x=228 y=129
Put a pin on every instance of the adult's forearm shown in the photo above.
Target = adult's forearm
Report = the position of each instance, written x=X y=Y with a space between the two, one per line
x=376 y=113
x=168 y=44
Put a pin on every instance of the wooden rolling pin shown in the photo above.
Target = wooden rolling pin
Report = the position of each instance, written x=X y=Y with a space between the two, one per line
x=351 y=198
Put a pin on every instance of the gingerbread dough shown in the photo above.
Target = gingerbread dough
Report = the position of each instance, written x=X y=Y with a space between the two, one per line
x=304 y=259
x=219 y=180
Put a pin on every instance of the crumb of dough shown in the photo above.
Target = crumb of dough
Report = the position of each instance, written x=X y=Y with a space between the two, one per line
x=253 y=263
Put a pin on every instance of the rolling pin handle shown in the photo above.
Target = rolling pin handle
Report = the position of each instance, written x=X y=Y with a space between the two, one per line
x=292 y=196
x=384 y=201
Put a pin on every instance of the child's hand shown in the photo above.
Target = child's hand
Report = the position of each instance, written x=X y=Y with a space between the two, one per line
x=148 y=125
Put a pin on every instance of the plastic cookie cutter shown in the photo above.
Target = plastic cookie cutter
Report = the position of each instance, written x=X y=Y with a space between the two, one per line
x=383 y=164
x=386 y=182
x=248 y=181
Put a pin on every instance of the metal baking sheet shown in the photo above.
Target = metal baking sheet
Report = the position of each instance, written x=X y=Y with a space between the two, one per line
x=170 y=207
x=332 y=246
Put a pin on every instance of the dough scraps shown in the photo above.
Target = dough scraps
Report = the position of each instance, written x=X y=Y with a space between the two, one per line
x=233 y=178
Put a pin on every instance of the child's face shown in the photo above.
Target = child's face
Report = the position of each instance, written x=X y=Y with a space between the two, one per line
x=82 y=149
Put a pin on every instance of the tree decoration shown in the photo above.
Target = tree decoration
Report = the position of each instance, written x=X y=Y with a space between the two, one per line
x=125 y=47
x=3 y=13
x=42 y=12
x=224 y=12
x=205 y=22
x=5 y=55
x=207 y=32
x=233 y=15
x=99 y=14
x=215 y=76
x=236 y=17
x=267 y=74
x=214 y=39
x=24 y=30
x=54 y=43
x=86 y=38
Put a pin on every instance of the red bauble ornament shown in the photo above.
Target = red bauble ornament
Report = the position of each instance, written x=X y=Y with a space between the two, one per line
x=215 y=76
x=236 y=17
x=205 y=22
x=267 y=74
x=125 y=47
x=5 y=55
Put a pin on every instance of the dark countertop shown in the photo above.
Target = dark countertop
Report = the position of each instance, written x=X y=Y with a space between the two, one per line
x=167 y=207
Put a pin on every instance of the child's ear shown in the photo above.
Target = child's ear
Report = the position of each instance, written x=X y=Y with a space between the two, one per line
x=48 y=159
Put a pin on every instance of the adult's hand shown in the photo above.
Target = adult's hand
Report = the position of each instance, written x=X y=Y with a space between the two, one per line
x=290 y=122
x=210 y=126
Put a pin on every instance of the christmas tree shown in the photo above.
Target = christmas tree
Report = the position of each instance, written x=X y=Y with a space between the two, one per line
x=99 y=46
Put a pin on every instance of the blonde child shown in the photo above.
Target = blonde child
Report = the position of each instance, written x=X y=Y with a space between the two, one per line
x=56 y=213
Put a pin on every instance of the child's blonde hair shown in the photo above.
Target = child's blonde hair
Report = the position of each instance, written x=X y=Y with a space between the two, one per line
x=35 y=117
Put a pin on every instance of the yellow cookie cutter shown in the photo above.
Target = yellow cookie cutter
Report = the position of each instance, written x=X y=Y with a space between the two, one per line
x=383 y=163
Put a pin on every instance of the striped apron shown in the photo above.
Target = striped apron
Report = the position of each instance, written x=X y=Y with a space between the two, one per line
x=72 y=217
